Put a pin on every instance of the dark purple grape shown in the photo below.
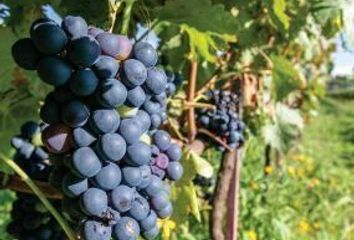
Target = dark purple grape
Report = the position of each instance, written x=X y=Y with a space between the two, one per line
x=140 y=208
x=151 y=234
x=174 y=152
x=83 y=82
x=109 y=177
x=85 y=162
x=25 y=54
x=162 y=140
x=161 y=161
x=75 y=114
x=50 y=112
x=106 y=67
x=155 y=187
x=74 y=26
x=144 y=119
x=145 y=53
x=113 y=45
x=126 y=229
x=149 y=222
x=160 y=201
x=130 y=130
x=54 y=71
x=155 y=121
x=138 y=154
x=49 y=38
x=57 y=138
x=73 y=186
x=156 y=80
x=29 y=129
x=174 y=170
x=94 y=230
x=146 y=176
x=83 y=137
x=166 y=211
x=135 y=72
x=122 y=198
x=84 y=51
x=111 y=147
x=132 y=176
x=111 y=93
x=136 y=97
x=94 y=202
x=94 y=31
x=104 y=121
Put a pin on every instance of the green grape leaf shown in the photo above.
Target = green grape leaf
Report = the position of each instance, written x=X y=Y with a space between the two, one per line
x=193 y=201
x=285 y=78
x=202 y=167
x=199 y=14
x=278 y=15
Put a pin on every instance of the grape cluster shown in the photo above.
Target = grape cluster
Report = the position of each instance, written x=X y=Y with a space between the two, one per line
x=30 y=219
x=108 y=101
x=224 y=120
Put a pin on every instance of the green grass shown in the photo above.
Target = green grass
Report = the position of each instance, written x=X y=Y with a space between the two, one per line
x=311 y=196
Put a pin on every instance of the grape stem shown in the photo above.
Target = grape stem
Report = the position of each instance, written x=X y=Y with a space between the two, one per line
x=115 y=12
x=16 y=184
x=126 y=16
x=25 y=178
x=208 y=85
x=198 y=105
x=215 y=138
x=192 y=129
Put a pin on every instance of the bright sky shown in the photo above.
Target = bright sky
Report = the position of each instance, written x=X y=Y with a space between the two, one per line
x=343 y=60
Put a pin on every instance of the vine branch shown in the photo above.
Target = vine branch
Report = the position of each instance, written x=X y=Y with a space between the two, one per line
x=27 y=180
x=192 y=129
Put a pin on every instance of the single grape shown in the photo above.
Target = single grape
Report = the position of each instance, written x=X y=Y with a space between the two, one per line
x=57 y=138
x=104 y=121
x=174 y=152
x=94 y=202
x=122 y=198
x=140 y=208
x=83 y=137
x=83 y=82
x=84 y=51
x=73 y=186
x=114 y=45
x=166 y=211
x=74 y=26
x=75 y=114
x=50 y=112
x=29 y=129
x=162 y=140
x=162 y=161
x=160 y=201
x=151 y=107
x=85 y=162
x=135 y=72
x=106 y=67
x=111 y=147
x=174 y=170
x=138 y=154
x=136 y=97
x=25 y=54
x=151 y=234
x=126 y=229
x=54 y=71
x=111 y=93
x=63 y=95
x=94 y=230
x=130 y=130
x=145 y=53
x=49 y=38
x=146 y=176
x=109 y=177
x=155 y=121
x=156 y=80
x=94 y=31
x=149 y=222
x=143 y=118
x=131 y=176
x=155 y=186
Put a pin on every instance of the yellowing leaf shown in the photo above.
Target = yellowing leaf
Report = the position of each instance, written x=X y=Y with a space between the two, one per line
x=202 y=167
x=277 y=10
x=193 y=201
x=167 y=226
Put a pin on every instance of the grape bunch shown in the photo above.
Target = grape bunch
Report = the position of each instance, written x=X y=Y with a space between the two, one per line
x=30 y=219
x=108 y=101
x=224 y=120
